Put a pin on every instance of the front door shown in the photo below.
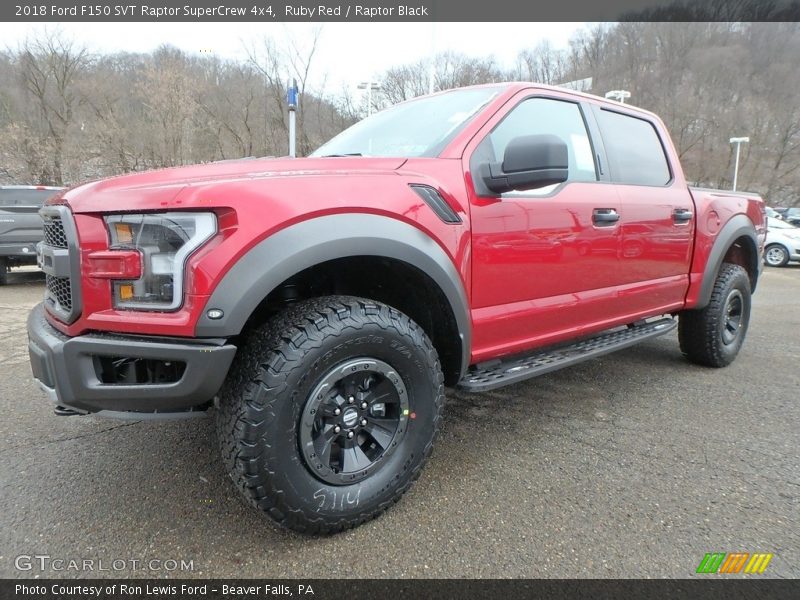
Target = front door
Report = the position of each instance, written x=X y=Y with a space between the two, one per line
x=546 y=261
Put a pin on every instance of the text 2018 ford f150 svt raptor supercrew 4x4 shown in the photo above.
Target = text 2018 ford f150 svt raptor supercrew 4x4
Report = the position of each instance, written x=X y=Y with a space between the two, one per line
x=319 y=306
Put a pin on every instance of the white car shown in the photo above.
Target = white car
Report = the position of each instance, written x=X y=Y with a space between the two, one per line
x=783 y=243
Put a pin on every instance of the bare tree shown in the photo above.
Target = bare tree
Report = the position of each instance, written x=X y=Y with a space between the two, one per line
x=450 y=70
x=542 y=64
x=49 y=68
x=66 y=115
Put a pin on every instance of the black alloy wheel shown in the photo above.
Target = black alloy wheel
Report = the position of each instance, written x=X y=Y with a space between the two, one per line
x=353 y=420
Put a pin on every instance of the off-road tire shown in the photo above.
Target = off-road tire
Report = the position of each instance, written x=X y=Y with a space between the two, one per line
x=701 y=333
x=771 y=254
x=261 y=403
x=3 y=271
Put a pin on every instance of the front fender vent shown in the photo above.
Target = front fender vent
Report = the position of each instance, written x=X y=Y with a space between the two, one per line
x=439 y=205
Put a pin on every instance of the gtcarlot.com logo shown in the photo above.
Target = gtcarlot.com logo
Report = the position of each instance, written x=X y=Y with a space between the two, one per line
x=734 y=562
x=45 y=562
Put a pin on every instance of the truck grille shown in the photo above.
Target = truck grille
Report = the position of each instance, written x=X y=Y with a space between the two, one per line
x=59 y=259
x=54 y=232
x=60 y=290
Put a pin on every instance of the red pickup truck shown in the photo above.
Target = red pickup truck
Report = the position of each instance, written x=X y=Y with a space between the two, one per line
x=472 y=238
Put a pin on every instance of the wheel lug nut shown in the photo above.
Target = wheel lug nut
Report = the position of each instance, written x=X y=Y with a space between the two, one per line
x=363 y=422
x=350 y=435
x=337 y=429
x=364 y=406
x=337 y=411
x=351 y=399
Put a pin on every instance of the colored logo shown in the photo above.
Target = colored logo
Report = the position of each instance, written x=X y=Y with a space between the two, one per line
x=734 y=562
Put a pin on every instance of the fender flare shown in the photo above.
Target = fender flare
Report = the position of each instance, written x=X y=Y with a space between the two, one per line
x=737 y=227
x=308 y=243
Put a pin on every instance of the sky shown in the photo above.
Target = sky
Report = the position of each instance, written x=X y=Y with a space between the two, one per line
x=347 y=52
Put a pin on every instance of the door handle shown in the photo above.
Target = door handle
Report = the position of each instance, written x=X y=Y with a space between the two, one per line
x=604 y=217
x=682 y=215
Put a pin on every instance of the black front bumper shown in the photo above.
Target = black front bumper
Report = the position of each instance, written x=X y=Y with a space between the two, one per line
x=65 y=368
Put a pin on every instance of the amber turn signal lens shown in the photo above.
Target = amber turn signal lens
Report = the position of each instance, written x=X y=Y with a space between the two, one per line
x=125 y=291
x=124 y=233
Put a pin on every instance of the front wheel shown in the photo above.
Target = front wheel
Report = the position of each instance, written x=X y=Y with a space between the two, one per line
x=330 y=412
x=776 y=256
x=3 y=270
x=714 y=335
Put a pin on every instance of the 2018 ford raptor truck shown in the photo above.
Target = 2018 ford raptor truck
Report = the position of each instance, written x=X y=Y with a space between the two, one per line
x=319 y=306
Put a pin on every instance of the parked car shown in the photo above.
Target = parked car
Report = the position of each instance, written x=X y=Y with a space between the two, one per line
x=790 y=215
x=20 y=224
x=774 y=214
x=472 y=238
x=783 y=243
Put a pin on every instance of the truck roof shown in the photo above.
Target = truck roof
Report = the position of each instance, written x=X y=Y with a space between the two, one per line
x=512 y=87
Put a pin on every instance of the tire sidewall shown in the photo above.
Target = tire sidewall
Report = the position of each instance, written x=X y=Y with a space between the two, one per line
x=283 y=457
x=742 y=284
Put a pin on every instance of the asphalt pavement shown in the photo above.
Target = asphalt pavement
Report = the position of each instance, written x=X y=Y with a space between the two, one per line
x=631 y=465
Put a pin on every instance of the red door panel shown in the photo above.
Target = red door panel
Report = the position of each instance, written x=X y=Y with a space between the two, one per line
x=535 y=259
x=656 y=242
x=526 y=248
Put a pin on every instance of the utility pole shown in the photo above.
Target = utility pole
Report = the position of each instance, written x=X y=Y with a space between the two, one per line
x=432 y=71
x=618 y=95
x=291 y=100
x=369 y=86
x=738 y=141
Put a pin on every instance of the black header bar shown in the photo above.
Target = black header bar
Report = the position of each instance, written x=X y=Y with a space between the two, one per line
x=396 y=11
x=698 y=588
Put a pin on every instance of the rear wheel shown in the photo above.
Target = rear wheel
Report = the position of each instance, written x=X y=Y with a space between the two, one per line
x=714 y=335
x=330 y=412
x=776 y=256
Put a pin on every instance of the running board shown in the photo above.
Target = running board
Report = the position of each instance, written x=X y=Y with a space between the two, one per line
x=498 y=373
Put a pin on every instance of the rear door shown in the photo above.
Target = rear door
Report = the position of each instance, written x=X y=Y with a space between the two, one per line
x=657 y=218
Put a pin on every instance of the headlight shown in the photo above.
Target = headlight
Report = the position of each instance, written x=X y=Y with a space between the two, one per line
x=165 y=241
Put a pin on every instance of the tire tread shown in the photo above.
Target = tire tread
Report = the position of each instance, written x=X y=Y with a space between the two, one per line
x=269 y=356
x=697 y=329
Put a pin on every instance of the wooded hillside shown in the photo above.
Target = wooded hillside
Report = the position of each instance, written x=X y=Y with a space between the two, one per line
x=67 y=114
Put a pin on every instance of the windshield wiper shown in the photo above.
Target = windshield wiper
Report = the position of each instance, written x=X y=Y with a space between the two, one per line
x=341 y=155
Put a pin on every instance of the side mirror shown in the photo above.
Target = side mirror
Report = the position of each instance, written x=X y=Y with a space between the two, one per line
x=530 y=162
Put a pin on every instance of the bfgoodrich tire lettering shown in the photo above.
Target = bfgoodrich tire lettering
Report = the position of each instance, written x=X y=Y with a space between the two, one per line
x=714 y=335
x=267 y=391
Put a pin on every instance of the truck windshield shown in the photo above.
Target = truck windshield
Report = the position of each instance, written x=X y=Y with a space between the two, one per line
x=416 y=128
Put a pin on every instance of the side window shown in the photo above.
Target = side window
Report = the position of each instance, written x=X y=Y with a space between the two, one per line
x=537 y=116
x=634 y=149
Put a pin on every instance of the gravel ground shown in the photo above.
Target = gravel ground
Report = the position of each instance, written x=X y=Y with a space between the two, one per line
x=631 y=465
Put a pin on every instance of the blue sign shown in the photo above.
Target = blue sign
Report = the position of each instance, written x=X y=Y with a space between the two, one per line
x=291 y=95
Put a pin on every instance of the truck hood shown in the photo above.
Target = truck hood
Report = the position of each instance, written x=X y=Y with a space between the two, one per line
x=160 y=189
